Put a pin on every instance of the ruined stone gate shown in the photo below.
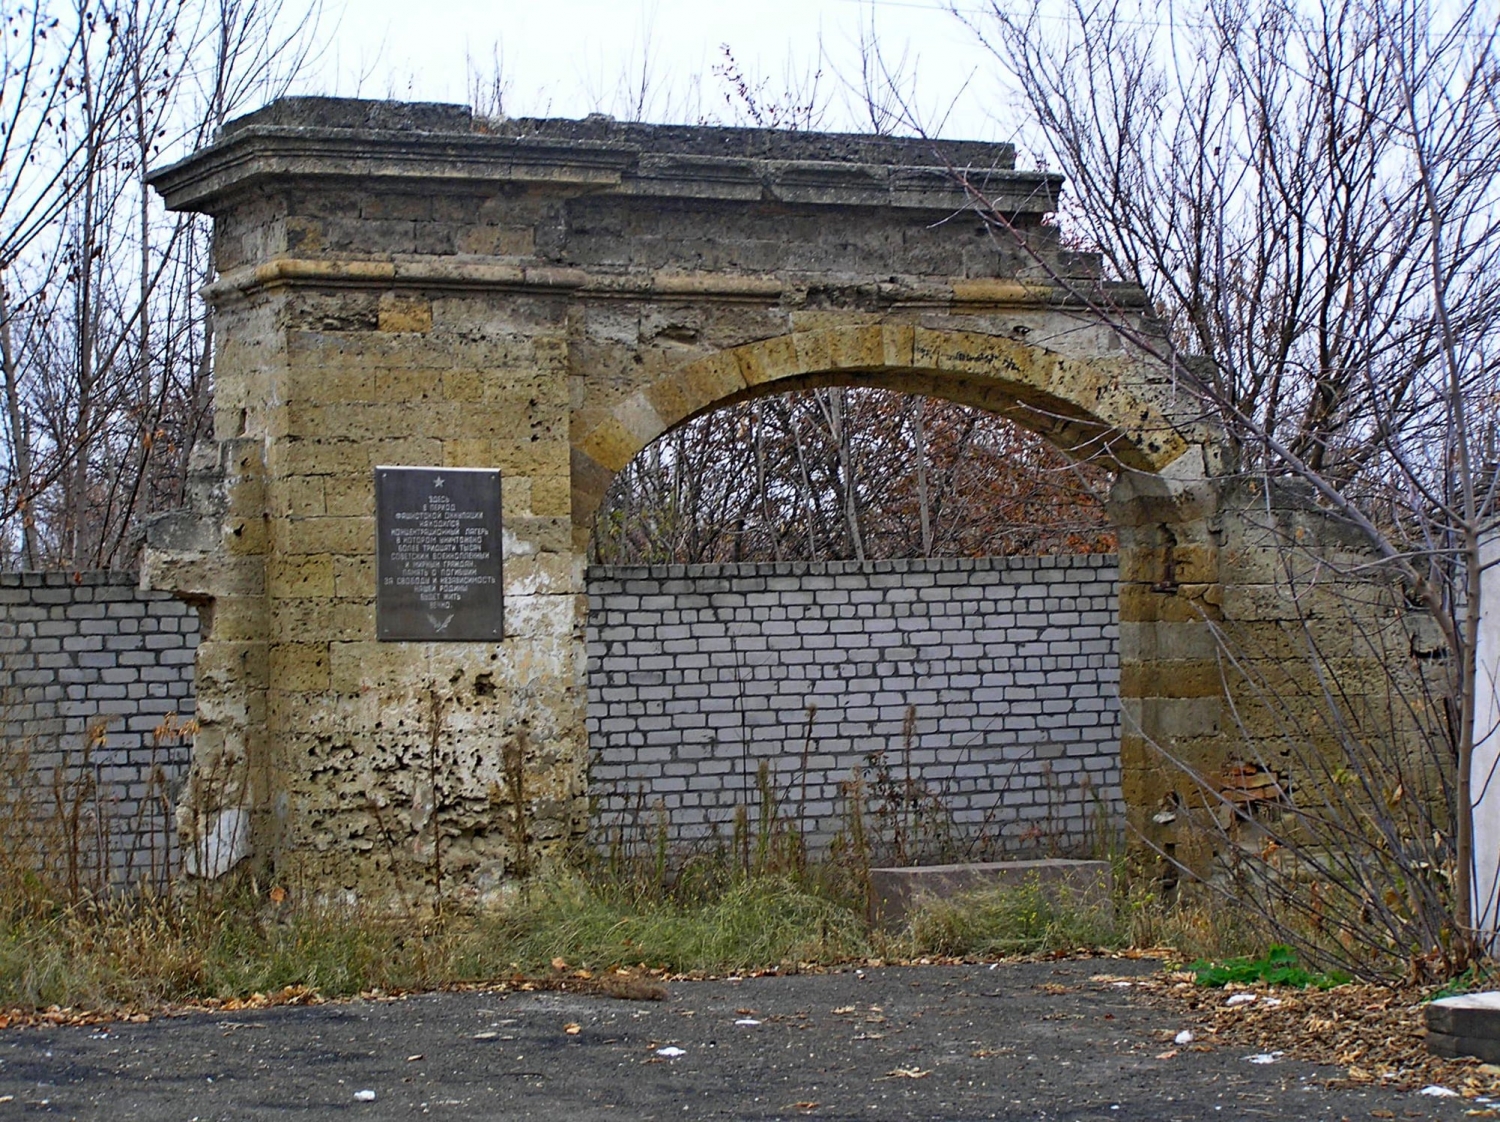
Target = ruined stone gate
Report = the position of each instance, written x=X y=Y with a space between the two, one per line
x=408 y=285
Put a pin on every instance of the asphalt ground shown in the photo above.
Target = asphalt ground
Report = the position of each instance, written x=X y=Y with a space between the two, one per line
x=1054 y=1040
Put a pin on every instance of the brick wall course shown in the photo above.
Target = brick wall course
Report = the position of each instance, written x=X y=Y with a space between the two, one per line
x=698 y=674
x=81 y=651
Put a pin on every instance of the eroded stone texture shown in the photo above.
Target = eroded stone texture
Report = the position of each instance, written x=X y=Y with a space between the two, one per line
x=402 y=284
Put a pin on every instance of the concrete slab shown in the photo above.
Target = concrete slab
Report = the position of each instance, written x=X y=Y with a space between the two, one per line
x=1465 y=1025
x=896 y=891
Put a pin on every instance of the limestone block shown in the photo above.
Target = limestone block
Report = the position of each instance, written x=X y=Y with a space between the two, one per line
x=299 y=667
x=327 y=535
x=354 y=578
x=318 y=620
x=1195 y=564
x=349 y=496
x=768 y=360
x=1142 y=603
x=300 y=575
x=303 y=496
x=695 y=387
x=497 y=241
x=1147 y=641
x=548 y=496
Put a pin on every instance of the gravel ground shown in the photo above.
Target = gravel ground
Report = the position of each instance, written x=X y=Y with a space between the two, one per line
x=1074 y=1039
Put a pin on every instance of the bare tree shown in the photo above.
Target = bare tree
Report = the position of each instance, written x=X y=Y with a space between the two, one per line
x=1309 y=195
x=849 y=474
x=105 y=346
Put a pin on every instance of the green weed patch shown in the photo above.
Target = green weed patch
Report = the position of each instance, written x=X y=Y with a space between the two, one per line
x=1277 y=967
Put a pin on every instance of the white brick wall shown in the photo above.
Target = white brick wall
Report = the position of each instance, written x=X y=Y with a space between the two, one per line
x=88 y=650
x=698 y=673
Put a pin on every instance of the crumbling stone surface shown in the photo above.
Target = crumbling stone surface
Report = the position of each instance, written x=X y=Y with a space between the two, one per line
x=406 y=284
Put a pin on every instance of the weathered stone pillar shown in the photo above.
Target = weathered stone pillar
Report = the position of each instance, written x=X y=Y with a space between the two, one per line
x=358 y=765
x=1171 y=691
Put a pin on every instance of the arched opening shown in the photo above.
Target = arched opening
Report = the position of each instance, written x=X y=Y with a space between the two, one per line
x=1090 y=409
x=889 y=593
x=849 y=474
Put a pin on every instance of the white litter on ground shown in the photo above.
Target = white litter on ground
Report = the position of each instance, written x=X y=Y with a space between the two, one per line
x=671 y=1052
x=1438 y=1092
x=1241 y=999
x=365 y=1096
x=1265 y=1057
x=747 y=1021
x=1183 y=1037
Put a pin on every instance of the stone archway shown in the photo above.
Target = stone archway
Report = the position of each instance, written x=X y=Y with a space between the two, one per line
x=1090 y=407
x=403 y=284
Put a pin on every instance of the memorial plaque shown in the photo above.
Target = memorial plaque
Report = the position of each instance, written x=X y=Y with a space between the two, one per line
x=438 y=554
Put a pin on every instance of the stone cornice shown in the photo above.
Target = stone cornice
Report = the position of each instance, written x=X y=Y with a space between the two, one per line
x=450 y=274
x=331 y=140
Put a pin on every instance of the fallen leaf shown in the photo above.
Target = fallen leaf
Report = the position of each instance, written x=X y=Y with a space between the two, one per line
x=415 y=1058
x=572 y=1028
x=1170 y=1053
x=559 y=963
x=906 y=1073
x=628 y=987
x=842 y=1010
x=805 y=1106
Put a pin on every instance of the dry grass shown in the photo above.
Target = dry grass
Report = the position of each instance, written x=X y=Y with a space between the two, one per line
x=69 y=939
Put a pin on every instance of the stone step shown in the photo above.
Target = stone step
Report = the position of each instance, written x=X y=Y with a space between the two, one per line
x=898 y=891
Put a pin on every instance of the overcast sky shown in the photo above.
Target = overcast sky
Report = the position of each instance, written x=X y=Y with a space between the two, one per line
x=572 y=57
